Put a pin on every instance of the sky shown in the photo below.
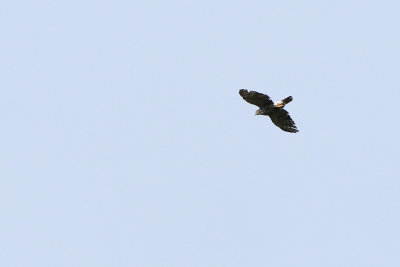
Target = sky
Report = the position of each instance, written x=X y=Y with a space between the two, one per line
x=124 y=141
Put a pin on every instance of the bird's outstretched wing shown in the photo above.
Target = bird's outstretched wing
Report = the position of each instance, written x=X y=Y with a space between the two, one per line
x=282 y=119
x=255 y=98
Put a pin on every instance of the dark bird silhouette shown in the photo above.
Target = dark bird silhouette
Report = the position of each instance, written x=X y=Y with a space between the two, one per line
x=275 y=111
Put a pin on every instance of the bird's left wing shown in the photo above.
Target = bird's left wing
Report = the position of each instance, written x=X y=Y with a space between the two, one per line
x=255 y=98
x=282 y=119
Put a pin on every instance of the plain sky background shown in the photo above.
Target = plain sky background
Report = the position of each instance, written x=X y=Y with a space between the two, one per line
x=124 y=141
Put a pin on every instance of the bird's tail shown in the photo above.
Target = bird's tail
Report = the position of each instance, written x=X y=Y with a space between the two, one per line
x=283 y=102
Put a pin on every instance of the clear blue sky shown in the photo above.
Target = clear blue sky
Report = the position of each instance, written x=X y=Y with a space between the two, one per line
x=124 y=141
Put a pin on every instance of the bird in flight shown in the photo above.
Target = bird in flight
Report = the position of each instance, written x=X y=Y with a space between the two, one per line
x=275 y=111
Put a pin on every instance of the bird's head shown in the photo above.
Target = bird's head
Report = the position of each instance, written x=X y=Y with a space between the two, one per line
x=259 y=112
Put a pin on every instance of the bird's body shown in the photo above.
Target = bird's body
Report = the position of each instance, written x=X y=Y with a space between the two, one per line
x=275 y=111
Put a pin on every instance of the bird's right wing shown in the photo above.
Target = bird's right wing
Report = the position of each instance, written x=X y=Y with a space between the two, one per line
x=282 y=119
x=255 y=98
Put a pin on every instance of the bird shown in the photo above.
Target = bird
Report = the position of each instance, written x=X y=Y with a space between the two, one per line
x=267 y=107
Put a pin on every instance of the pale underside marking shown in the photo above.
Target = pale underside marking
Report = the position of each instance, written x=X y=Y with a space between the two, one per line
x=279 y=104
